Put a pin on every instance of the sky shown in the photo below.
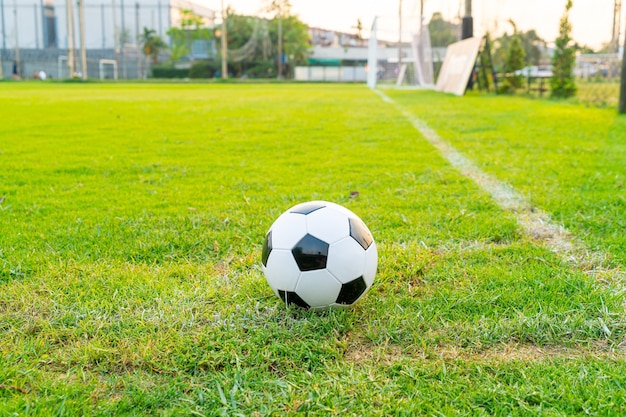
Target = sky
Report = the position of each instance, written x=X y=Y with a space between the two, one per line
x=592 y=20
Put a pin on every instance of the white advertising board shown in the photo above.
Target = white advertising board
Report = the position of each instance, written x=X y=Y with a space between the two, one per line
x=457 y=66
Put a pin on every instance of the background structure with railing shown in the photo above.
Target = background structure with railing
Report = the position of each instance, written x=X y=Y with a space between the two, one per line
x=34 y=35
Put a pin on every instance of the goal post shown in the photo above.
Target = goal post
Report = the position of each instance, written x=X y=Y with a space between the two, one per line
x=102 y=69
x=400 y=55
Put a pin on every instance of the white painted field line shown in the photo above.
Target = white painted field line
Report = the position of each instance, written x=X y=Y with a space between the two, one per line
x=535 y=223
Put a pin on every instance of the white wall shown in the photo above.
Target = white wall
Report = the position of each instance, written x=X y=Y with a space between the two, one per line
x=331 y=74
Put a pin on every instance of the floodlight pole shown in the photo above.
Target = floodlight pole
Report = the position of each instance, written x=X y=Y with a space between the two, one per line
x=83 y=50
x=4 y=38
x=17 y=43
x=70 y=37
x=617 y=19
x=224 y=45
x=116 y=49
x=468 y=21
x=137 y=39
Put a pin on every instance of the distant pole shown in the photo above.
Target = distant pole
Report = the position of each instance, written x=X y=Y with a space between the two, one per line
x=123 y=41
x=399 y=34
x=70 y=37
x=83 y=50
x=116 y=49
x=102 y=22
x=617 y=18
x=122 y=12
x=622 y=91
x=4 y=38
x=224 y=45
x=468 y=21
x=17 y=41
x=422 y=16
x=169 y=21
x=44 y=25
x=160 y=24
x=36 y=27
x=139 y=69
x=280 y=43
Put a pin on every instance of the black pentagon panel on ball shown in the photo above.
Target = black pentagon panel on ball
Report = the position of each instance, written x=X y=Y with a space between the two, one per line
x=290 y=297
x=359 y=232
x=351 y=291
x=310 y=253
x=267 y=248
x=306 y=208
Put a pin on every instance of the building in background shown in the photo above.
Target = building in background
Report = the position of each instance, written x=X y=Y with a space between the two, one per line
x=36 y=32
x=343 y=57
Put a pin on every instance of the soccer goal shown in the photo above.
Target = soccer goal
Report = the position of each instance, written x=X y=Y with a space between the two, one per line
x=107 y=69
x=399 y=53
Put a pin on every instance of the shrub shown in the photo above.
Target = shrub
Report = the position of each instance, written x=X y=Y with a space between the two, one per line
x=563 y=60
x=204 y=68
x=169 y=71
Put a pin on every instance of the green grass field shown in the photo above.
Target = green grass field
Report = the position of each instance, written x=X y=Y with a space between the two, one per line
x=132 y=219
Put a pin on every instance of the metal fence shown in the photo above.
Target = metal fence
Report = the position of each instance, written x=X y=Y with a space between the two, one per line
x=35 y=34
x=597 y=78
x=53 y=61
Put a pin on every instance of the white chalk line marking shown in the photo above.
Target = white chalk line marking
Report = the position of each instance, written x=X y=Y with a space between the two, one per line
x=534 y=222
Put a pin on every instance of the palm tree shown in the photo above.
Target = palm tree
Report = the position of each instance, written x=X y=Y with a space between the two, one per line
x=152 y=44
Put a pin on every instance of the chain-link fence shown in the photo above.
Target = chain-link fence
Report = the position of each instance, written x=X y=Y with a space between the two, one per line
x=598 y=79
x=34 y=36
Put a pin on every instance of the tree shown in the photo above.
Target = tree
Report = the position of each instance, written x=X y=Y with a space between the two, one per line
x=192 y=28
x=151 y=44
x=534 y=47
x=280 y=8
x=515 y=60
x=562 y=84
x=247 y=47
x=296 y=41
x=584 y=49
x=257 y=58
x=442 y=33
x=359 y=29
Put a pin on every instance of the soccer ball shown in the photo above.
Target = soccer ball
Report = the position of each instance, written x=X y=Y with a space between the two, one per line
x=319 y=255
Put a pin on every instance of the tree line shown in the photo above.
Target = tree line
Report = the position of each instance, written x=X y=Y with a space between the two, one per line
x=253 y=45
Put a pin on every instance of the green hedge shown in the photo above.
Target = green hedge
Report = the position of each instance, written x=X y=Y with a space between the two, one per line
x=204 y=69
x=168 y=71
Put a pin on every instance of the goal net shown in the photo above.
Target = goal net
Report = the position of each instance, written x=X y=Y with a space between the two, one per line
x=399 y=53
